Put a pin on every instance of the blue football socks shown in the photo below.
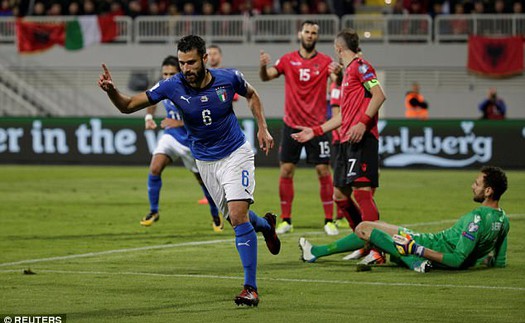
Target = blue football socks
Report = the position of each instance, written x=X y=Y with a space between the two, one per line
x=154 y=185
x=258 y=223
x=246 y=243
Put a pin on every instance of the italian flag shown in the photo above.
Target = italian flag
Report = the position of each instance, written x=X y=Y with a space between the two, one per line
x=73 y=35
x=88 y=30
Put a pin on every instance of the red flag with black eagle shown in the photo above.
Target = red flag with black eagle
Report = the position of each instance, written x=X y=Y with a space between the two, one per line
x=37 y=36
x=495 y=57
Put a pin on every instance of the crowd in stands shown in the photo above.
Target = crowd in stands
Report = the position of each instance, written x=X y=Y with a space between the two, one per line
x=134 y=8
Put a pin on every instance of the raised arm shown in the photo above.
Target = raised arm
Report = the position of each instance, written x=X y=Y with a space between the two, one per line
x=266 y=73
x=263 y=135
x=124 y=103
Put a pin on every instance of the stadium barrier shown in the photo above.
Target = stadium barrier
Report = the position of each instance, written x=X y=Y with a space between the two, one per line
x=283 y=28
x=119 y=141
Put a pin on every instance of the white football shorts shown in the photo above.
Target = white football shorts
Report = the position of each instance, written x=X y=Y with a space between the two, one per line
x=231 y=178
x=170 y=147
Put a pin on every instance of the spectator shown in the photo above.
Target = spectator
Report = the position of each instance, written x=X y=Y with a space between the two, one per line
x=173 y=10
x=89 y=8
x=398 y=8
x=304 y=8
x=437 y=9
x=225 y=9
x=39 y=9
x=459 y=25
x=207 y=8
x=5 y=9
x=287 y=8
x=493 y=107
x=55 y=9
x=322 y=8
x=499 y=7
x=153 y=9
x=116 y=9
x=415 y=104
x=73 y=9
x=188 y=9
x=134 y=9
x=479 y=7
x=517 y=7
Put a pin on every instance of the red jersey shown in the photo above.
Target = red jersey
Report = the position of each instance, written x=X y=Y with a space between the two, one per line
x=304 y=88
x=335 y=100
x=355 y=97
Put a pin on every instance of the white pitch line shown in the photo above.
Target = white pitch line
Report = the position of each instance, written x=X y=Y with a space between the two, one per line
x=109 y=252
x=289 y=280
x=192 y=243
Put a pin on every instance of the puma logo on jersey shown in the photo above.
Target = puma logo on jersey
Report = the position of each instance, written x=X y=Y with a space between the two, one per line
x=247 y=243
x=186 y=99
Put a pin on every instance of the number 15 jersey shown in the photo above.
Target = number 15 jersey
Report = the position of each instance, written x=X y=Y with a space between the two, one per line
x=305 y=86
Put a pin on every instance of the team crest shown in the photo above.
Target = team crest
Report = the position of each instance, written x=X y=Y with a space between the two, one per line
x=363 y=68
x=222 y=94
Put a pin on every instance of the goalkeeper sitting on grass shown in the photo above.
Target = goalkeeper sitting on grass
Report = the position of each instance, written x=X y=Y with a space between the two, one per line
x=479 y=236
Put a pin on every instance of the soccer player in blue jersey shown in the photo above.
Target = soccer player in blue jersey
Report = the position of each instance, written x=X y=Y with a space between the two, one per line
x=173 y=144
x=224 y=158
x=479 y=236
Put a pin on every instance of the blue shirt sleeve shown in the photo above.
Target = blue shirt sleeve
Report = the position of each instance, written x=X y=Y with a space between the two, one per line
x=240 y=85
x=156 y=93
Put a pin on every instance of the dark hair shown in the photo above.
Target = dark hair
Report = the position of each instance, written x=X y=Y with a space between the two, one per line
x=350 y=39
x=171 y=61
x=308 y=22
x=191 y=42
x=216 y=47
x=496 y=179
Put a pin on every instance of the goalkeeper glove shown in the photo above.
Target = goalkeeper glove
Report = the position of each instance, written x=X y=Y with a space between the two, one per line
x=405 y=245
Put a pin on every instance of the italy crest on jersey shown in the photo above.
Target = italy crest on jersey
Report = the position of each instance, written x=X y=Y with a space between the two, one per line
x=222 y=94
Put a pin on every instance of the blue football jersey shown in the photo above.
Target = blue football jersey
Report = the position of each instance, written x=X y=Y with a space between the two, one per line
x=179 y=133
x=208 y=114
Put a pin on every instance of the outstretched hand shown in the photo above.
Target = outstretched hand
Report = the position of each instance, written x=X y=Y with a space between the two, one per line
x=105 y=81
x=304 y=135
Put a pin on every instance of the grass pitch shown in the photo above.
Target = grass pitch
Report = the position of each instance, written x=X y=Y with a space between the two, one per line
x=77 y=228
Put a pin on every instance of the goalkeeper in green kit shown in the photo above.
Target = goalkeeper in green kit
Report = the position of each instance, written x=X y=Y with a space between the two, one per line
x=477 y=237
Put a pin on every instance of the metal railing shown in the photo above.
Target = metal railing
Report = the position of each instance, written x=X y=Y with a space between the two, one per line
x=283 y=28
x=168 y=29
x=459 y=27
x=390 y=28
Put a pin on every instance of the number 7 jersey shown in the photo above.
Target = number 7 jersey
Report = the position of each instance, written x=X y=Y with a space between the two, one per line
x=208 y=115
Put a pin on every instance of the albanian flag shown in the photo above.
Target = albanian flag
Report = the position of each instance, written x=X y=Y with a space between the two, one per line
x=495 y=57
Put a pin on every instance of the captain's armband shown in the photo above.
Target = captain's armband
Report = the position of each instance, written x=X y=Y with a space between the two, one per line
x=370 y=84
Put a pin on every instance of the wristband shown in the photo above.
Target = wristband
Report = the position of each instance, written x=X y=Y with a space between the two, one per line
x=366 y=120
x=418 y=250
x=148 y=117
x=318 y=131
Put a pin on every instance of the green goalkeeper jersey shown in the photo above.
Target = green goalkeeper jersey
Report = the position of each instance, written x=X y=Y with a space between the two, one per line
x=471 y=238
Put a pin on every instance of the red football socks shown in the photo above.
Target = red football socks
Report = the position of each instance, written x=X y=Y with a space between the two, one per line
x=286 y=193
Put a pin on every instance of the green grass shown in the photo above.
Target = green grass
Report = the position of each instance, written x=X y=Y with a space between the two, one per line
x=58 y=211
